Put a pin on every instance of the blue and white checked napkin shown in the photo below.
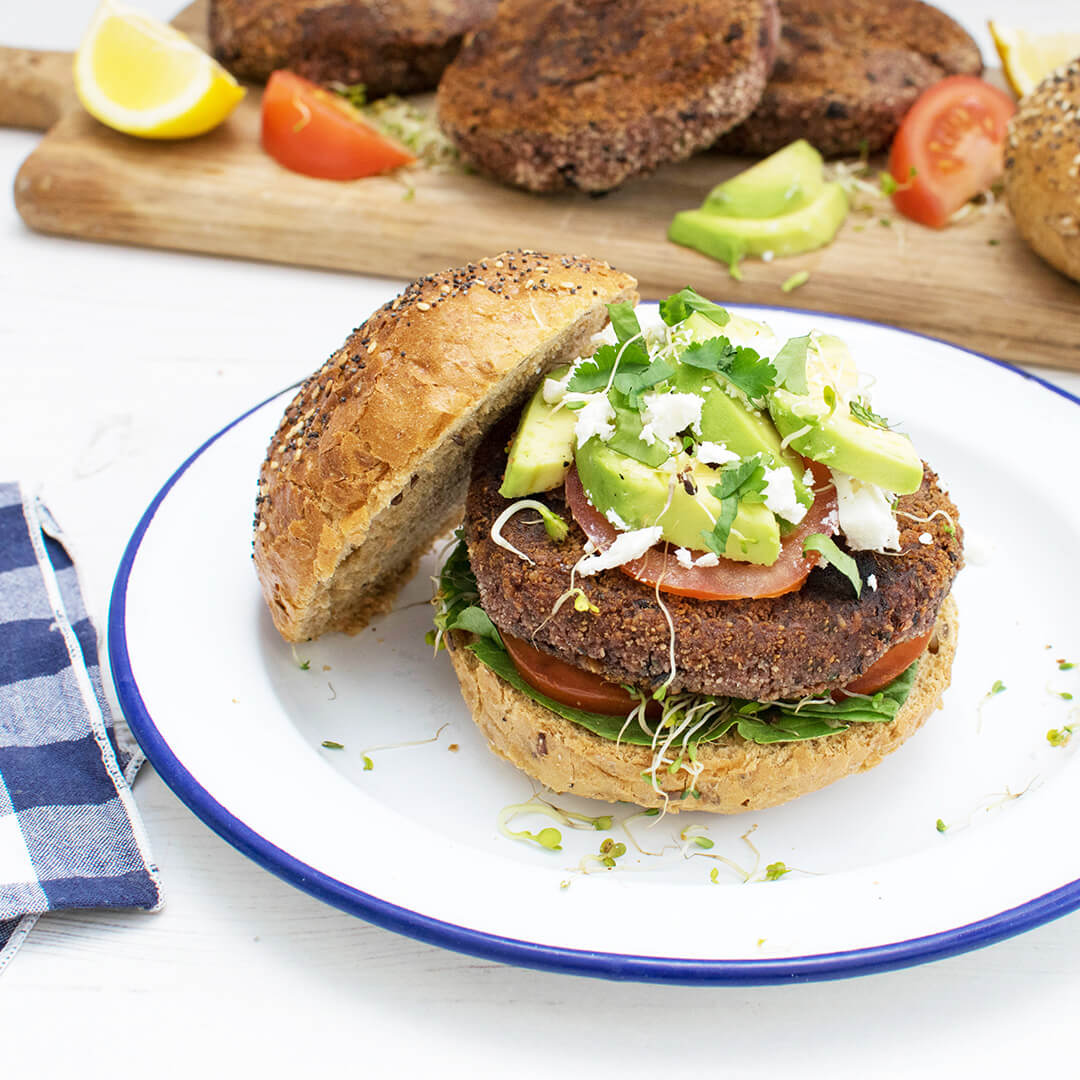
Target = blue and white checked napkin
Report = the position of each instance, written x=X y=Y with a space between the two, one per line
x=70 y=834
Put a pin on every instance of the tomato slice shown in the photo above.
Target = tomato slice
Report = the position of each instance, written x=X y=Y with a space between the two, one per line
x=580 y=689
x=954 y=139
x=316 y=132
x=564 y=682
x=896 y=661
x=730 y=580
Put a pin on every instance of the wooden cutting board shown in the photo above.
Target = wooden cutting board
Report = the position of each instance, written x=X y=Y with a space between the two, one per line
x=974 y=284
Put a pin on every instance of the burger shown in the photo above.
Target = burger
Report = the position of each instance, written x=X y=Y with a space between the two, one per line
x=696 y=568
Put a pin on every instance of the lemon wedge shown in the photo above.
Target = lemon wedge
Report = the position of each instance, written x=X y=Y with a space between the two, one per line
x=1029 y=58
x=142 y=77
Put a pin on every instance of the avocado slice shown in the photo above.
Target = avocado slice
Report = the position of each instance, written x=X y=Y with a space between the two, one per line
x=638 y=494
x=787 y=180
x=543 y=446
x=728 y=419
x=730 y=238
x=835 y=438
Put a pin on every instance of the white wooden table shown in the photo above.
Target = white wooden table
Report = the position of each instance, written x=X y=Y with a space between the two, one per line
x=114 y=364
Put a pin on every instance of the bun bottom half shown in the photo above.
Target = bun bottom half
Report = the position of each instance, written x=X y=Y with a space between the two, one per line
x=738 y=775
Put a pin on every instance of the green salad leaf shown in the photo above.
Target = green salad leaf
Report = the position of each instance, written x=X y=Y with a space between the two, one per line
x=843 y=562
x=681 y=305
x=790 y=364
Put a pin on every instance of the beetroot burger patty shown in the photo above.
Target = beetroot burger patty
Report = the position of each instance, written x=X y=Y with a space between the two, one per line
x=807 y=642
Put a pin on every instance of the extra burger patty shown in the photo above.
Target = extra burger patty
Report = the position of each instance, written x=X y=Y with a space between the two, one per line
x=785 y=647
x=587 y=93
x=848 y=70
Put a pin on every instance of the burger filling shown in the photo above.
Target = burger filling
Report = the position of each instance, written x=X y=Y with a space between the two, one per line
x=699 y=531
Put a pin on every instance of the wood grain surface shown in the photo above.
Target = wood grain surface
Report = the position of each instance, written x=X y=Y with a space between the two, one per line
x=976 y=284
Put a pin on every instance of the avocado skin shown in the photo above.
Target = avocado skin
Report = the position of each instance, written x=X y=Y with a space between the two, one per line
x=543 y=446
x=729 y=239
x=639 y=495
x=785 y=181
x=841 y=442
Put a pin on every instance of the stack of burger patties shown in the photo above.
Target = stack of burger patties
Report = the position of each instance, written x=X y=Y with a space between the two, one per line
x=586 y=94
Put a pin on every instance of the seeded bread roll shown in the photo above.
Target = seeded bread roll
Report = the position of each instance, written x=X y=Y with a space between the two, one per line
x=738 y=775
x=371 y=460
x=1042 y=169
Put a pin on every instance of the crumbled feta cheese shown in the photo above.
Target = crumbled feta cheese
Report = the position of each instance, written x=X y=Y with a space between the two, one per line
x=872 y=582
x=595 y=417
x=866 y=517
x=768 y=256
x=667 y=414
x=627 y=546
x=808 y=478
x=613 y=516
x=779 y=495
x=714 y=453
x=554 y=389
x=925 y=538
x=685 y=558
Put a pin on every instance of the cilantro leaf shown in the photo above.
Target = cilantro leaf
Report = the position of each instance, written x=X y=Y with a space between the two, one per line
x=624 y=322
x=593 y=374
x=635 y=380
x=790 y=364
x=843 y=562
x=865 y=415
x=740 y=480
x=751 y=373
x=685 y=302
x=716 y=354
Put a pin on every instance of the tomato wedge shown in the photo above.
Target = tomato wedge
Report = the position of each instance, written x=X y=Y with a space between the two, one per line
x=730 y=580
x=897 y=660
x=954 y=139
x=318 y=133
x=564 y=682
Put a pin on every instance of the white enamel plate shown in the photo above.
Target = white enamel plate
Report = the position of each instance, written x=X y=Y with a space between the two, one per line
x=411 y=842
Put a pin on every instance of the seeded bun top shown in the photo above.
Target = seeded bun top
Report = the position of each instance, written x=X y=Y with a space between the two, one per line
x=371 y=460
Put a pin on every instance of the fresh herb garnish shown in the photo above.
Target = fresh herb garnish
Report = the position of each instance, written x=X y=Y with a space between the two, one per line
x=790 y=364
x=741 y=480
x=799 y=278
x=624 y=322
x=776 y=870
x=634 y=381
x=941 y=826
x=865 y=415
x=754 y=375
x=354 y=93
x=997 y=688
x=594 y=373
x=1060 y=736
x=1065 y=665
x=843 y=562
x=331 y=745
x=681 y=305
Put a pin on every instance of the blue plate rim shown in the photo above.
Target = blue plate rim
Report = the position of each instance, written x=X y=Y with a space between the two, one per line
x=613 y=966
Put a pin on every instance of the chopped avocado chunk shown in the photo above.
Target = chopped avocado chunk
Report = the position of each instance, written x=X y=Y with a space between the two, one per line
x=730 y=238
x=830 y=435
x=542 y=448
x=639 y=494
x=785 y=181
x=738 y=330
